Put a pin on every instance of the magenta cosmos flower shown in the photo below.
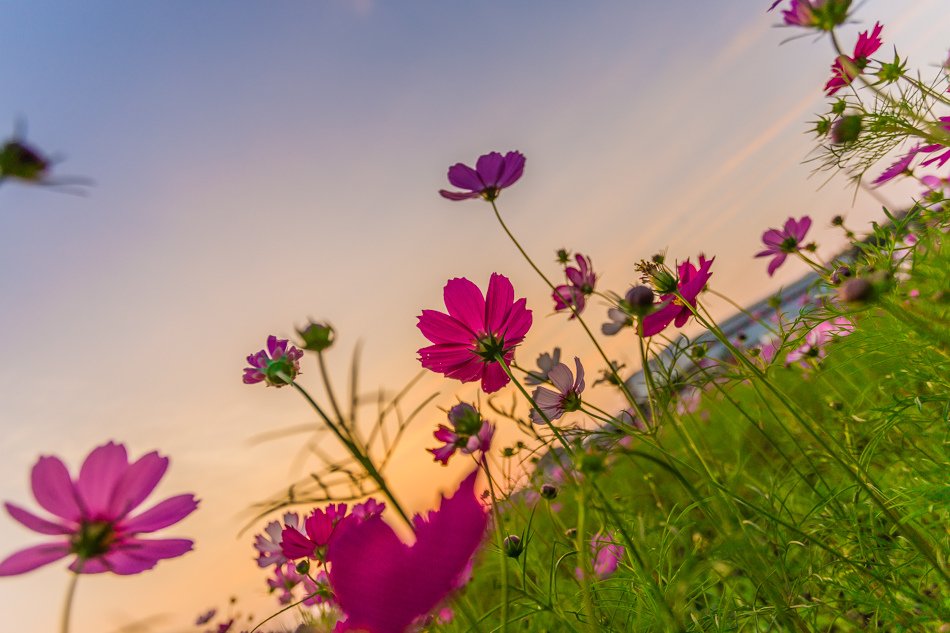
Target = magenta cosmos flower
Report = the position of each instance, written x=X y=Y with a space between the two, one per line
x=820 y=14
x=92 y=515
x=780 y=243
x=277 y=365
x=383 y=584
x=493 y=172
x=477 y=331
x=846 y=69
x=469 y=433
x=691 y=282
x=580 y=285
x=566 y=399
x=311 y=542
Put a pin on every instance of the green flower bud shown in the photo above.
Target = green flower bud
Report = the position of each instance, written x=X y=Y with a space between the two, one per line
x=317 y=336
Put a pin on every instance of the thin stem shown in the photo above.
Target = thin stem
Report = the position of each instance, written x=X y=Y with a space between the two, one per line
x=68 y=604
x=500 y=540
x=326 y=385
x=584 y=558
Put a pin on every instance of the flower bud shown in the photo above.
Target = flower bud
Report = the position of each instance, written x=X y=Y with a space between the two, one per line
x=563 y=255
x=639 y=298
x=570 y=533
x=317 y=336
x=837 y=221
x=840 y=273
x=856 y=290
x=549 y=491
x=303 y=566
x=846 y=129
x=513 y=546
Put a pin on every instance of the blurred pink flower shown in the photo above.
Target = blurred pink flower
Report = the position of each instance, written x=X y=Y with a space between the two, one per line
x=277 y=365
x=312 y=541
x=845 y=69
x=821 y=14
x=567 y=398
x=493 y=172
x=369 y=508
x=92 y=518
x=287 y=578
x=469 y=433
x=383 y=584
x=691 y=282
x=475 y=332
x=607 y=556
x=581 y=281
x=817 y=338
x=780 y=243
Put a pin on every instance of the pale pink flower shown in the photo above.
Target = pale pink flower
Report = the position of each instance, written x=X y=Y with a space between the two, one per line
x=818 y=338
x=268 y=543
x=567 y=398
x=607 y=556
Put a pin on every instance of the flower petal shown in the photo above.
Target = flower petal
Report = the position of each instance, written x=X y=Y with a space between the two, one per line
x=465 y=302
x=514 y=169
x=439 y=327
x=101 y=472
x=168 y=512
x=54 y=490
x=499 y=300
x=36 y=523
x=562 y=378
x=489 y=167
x=137 y=483
x=464 y=177
x=32 y=557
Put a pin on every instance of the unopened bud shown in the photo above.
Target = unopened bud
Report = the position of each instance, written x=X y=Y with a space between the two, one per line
x=513 y=546
x=549 y=491
x=303 y=566
x=639 y=298
x=856 y=290
x=846 y=129
x=317 y=336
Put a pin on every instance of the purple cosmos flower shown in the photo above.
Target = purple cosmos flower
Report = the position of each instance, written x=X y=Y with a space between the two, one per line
x=845 y=69
x=493 y=172
x=567 y=398
x=318 y=528
x=817 y=338
x=476 y=331
x=469 y=433
x=287 y=578
x=383 y=584
x=691 y=282
x=546 y=362
x=780 y=243
x=92 y=515
x=821 y=14
x=607 y=556
x=277 y=365
x=580 y=285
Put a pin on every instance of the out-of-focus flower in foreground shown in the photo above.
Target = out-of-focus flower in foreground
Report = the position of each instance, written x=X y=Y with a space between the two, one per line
x=818 y=338
x=277 y=365
x=92 y=515
x=493 y=172
x=581 y=281
x=691 y=282
x=607 y=556
x=819 y=14
x=469 y=433
x=846 y=69
x=780 y=243
x=477 y=330
x=383 y=584
x=567 y=398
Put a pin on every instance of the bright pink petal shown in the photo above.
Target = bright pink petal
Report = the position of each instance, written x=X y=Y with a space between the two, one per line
x=54 y=490
x=168 y=512
x=517 y=324
x=138 y=555
x=36 y=523
x=498 y=302
x=489 y=167
x=465 y=302
x=656 y=322
x=464 y=177
x=32 y=557
x=99 y=476
x=439 y=327
x=494 y=378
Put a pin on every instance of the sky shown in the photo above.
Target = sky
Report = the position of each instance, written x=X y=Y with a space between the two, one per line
x=256 y=164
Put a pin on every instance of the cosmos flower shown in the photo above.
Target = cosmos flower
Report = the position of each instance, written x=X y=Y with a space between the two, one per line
x=567 y=398
x=691 y=282
x=277 y=365
x=845 y=69
x=318 y=528
x=286 y=578
x=268 y=543
x=469 y=433
x=493 y=172
x=92 y=515
x=581 y=281
x=476 y=331
x=780 y=243
x=383 y=584
x=818 y=338
x=820 y=14
x=607 y=556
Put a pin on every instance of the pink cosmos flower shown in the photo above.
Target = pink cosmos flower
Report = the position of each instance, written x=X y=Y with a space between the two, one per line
x=493 y=172
x=546 y=362
x=607 y=556
x=817 y=338
x=92 y=515
x=369 y=508
x=580 y=285
x=899 y=167
x=691 y=282
x=822 y=14
x=567 y=398
x=287 y=578
x=277 y=365
x=469 y=433
x=318 y=528
x=845 y=69
x=383 y=584
x=780 y=243
x=476 y=331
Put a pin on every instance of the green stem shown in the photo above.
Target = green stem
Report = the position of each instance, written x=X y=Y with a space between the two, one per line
x=584 y=558
x=500 y=541
x=68 y=604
